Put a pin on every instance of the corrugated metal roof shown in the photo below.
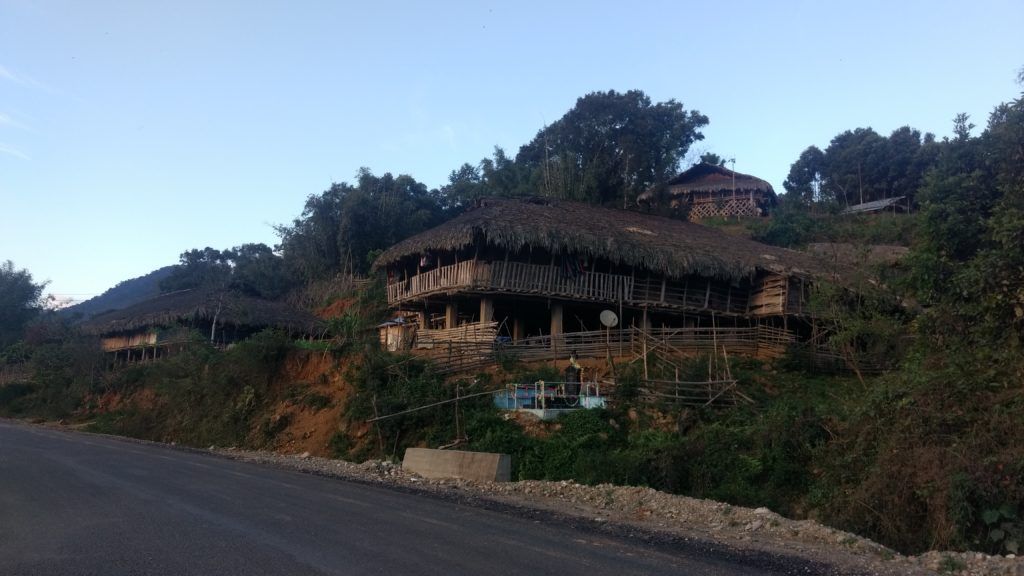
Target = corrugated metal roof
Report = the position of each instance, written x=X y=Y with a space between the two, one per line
x=873 y=206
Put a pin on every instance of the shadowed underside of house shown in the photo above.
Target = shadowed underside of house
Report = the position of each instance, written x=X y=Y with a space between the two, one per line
x=534 y=276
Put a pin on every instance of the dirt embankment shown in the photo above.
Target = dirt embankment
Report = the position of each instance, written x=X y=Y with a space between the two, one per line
x=301 y=410
x=310 y=399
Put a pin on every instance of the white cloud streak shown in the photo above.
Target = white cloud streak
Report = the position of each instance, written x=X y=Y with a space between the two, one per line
x=8 y=75
x=12 y=151
x=6 y=120
x=23 y=80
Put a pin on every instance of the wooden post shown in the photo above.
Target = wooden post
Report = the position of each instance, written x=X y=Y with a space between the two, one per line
x=632 y=282
x=486 y=309
x=644 y=340
x=556 y=318
x=517 y=328
x=621 y=320
x=556 y=323
x=451 y=314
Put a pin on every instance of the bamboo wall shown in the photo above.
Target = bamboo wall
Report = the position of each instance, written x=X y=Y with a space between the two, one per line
x=736 y=207
x=768 y=295
x=457 y=349
x=144 y=339
x=112 y=343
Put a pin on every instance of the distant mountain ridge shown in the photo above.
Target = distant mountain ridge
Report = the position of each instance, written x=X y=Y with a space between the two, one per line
x=124 y=294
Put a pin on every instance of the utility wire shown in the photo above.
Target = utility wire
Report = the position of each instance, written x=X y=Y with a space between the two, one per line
x=418 y=408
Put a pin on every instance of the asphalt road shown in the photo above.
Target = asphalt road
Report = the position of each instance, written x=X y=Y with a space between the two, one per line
x=80 y=504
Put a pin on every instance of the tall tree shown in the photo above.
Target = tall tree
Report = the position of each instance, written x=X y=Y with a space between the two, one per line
x=805 y=175
x=341 y=229
x=20 y=302
x=495 y=176
x=610 y=147
x=861 y=166
x=712 y=158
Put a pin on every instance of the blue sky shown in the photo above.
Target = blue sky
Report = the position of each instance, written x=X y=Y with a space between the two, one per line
x=131 y=131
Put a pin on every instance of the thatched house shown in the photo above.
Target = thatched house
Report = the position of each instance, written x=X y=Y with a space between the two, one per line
x=545 y=268
x=708 y=190
x=170 y=319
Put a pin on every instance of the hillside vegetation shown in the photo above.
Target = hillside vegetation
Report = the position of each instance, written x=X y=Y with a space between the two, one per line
x=927 y=452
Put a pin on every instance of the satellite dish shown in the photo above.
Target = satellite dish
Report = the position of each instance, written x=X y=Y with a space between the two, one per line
x=609 y=319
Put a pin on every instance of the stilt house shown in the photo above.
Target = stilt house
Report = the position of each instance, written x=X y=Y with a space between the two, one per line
x=535 y=276
x=170 y=321
x=708 y=190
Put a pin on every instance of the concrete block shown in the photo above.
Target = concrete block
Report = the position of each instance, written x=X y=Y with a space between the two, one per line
x=479 y=466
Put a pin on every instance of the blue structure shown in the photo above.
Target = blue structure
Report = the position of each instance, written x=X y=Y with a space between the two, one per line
x=548 y=400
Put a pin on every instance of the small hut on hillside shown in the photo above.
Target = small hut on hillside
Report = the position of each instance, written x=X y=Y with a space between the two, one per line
x=169 y=320
x=708 y=190
x=896 y=205
x=543 y=270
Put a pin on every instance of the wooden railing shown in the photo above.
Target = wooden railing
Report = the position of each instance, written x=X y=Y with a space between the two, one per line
x=456 y=276
x=516 y=277
x=552 y=280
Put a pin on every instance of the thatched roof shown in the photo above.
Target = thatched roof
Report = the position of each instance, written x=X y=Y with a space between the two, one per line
x=711 y=179
x=706 y=177
x=200 y=306
x=672 y=247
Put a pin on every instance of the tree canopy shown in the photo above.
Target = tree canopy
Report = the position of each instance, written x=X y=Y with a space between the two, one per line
x=252 y=269
x=342 y=229
x=861 y=166
x=712 y=158
x=610 y=147
x=20 y=302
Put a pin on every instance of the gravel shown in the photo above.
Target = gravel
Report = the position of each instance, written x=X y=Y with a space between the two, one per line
x=659 y=513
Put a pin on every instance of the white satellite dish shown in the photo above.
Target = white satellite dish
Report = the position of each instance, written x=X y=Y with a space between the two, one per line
x=609 y=319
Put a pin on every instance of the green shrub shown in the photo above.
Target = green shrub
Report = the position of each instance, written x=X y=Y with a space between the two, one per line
x=340 y=445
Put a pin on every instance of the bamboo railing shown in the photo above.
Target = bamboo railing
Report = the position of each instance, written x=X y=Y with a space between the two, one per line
x=765 y=297
x=514 y=277
x=551 y=280
x=456 y=276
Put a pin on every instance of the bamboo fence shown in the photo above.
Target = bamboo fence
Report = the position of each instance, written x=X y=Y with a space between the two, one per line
x=474 y=346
